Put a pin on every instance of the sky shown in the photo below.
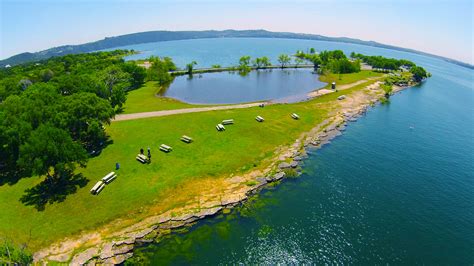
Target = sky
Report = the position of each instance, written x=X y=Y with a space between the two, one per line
x=440 y=27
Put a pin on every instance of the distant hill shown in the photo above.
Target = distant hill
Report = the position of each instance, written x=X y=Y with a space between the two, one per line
x=160 y=36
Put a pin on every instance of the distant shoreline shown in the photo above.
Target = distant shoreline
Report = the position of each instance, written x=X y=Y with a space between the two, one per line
x=161 y=36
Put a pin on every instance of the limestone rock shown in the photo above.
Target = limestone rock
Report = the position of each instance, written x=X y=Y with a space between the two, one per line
x=118 y=259
x=107 y=251
x=122 y=249
x=84 y=256
x=279 y=175
x=284 y=165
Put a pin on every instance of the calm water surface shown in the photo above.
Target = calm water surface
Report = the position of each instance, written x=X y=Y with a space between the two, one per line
x=397 y=187
x=287 y=85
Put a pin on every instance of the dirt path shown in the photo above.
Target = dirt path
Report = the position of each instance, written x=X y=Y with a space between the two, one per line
x=184 y=111
x=321 y=92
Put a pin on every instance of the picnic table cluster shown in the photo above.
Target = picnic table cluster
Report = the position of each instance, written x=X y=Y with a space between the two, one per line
x=146 y=159
x=100 y=185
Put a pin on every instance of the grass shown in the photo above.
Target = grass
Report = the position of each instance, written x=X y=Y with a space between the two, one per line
x=171 y=178
x=145 y=99
x=342 y=79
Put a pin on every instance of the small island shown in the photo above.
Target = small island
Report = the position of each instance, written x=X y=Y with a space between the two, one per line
x=83 y=123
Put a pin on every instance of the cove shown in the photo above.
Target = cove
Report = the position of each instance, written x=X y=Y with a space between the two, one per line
x=283 y=85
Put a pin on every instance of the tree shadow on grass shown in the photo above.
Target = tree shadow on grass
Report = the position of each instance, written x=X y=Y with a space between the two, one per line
x=51 y=190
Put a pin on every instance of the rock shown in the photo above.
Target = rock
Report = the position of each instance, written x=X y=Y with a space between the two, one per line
x=122 y=249
x=92 y=262
x=143 y=233
x=342 y=127
x=182 y=217
x=127 y=241
x=330 y=128
x=298 y=158
x=118 y=259
x=294 y=164
x=208 y=212
x=269 y=179
x=261 y=182
x=233 y=198
x=107 y=251
x=84 y=256
x=279 y=175
x=284 y=165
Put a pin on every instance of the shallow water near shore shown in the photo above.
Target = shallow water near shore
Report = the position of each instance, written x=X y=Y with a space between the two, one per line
x=287 y=85
x=397 y=187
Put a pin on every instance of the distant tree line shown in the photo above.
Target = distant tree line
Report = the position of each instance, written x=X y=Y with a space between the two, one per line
x=380 y=62
x=330 y=61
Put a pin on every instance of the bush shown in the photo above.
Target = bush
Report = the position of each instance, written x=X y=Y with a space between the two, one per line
x=10 y=254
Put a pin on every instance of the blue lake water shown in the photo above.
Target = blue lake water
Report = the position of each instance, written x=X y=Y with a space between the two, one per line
x=288 y=85
x=397 y=187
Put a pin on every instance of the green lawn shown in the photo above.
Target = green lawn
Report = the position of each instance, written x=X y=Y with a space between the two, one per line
x=342 y=79
x=241 y=147
x=144 y=99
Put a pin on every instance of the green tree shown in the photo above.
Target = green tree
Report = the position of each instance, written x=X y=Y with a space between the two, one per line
x=284 y=60
x=244 y=64
x=315 y=60
x=190 y=67
x=260 y=62
x=51 y=151
x=159 y=70
x=298 y=61
x=419 y=73
x=265 y=61
x=312 y=51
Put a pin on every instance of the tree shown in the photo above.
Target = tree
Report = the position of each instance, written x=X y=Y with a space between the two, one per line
x=300 y=54
x=190 y=67
x=298 y=61
x=137 y=73
x=312 y=50
x=244 y=63
x=260 y=62
x=51 y=151
x=83 y=115
x=419 y=73
x=160 y=68
x=265 y=61
x=284 y=60
x=257 y=62
x=315 y=60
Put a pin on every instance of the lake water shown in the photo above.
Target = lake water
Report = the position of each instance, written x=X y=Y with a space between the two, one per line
x=288 y=85
x=397 y=187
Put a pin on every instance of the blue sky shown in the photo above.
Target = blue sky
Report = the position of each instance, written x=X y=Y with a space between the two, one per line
x=440 y=27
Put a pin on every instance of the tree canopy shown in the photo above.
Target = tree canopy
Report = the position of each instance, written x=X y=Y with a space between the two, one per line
x=284 y=60
x=53 y=112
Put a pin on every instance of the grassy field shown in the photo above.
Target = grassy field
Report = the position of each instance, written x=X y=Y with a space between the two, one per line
x=243 y=146
x=144 y=99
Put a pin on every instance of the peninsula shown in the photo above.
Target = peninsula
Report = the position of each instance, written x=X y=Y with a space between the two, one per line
x=97 y=110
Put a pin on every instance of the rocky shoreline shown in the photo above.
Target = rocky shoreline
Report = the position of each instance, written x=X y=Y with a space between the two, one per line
x=119 y=247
